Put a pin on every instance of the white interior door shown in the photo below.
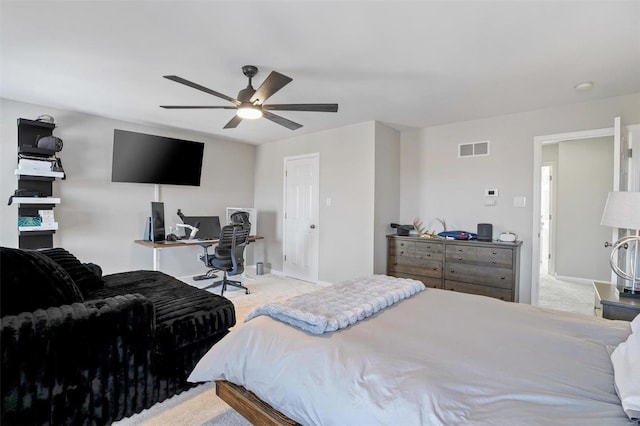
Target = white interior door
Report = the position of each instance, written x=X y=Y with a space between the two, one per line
x=545 y=218
x=301 y=211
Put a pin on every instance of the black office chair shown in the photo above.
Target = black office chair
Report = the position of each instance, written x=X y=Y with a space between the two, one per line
x=229 y=255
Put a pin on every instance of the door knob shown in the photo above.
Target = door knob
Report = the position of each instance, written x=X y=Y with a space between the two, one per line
x=312 y=227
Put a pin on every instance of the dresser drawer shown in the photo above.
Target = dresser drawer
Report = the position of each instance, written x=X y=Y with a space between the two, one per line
x=428 y=250
x=482 y=290
x=496 y=277
x=499 y=257
x=427 y=281
x=402 y=248
x=415 y=266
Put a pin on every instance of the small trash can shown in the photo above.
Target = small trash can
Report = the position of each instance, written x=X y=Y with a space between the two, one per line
x=259 y=268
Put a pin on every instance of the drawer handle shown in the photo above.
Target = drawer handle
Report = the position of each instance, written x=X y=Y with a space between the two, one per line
x=401 y=252
x=452 y=271
x=494 y=262
x=503 y=278
x=435 y=269
x=494 y=252
x=428 y=254
x=459 y=249
x=401 y=244
x=395 y=264
x=459 y=257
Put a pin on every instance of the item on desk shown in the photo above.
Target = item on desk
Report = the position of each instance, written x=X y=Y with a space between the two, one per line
x=194 y=229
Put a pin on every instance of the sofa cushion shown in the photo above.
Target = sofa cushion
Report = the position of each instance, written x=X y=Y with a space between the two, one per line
x=30 y=281
x=85 y=277
x=184 y=314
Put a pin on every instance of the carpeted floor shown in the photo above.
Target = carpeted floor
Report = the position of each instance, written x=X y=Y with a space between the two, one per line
x=200 y=405
x=567 y=296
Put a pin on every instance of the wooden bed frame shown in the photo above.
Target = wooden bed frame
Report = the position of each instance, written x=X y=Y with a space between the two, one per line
x=250 y=406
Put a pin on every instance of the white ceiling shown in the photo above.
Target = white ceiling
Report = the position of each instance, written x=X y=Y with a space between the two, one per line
x=407 y=64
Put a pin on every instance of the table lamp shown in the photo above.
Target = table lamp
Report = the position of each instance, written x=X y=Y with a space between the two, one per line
x=622 y=210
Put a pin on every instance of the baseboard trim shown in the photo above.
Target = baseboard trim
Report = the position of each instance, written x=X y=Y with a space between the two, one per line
x=575 y=279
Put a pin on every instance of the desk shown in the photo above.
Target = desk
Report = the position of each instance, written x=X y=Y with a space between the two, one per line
x=182 y=243
x=614 y=306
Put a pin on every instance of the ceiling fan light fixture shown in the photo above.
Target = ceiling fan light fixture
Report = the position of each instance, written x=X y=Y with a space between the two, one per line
x=249 y=112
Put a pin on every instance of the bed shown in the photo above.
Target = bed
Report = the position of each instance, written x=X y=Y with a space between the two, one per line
x=436 y=358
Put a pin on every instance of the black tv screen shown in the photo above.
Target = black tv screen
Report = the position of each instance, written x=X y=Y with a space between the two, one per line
x=142 y=158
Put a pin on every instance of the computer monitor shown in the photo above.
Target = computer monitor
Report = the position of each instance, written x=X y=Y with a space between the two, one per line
x=209 y=228
x=157 y=222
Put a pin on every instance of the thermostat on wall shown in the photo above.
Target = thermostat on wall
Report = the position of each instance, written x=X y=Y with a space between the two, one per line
x=491 y=192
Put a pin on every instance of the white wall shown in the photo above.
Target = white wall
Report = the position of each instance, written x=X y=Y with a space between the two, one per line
x=346 y=176
x=99 y=219
x=585 y=177
x=409 y=176
x=387 y=191
x=452 y=188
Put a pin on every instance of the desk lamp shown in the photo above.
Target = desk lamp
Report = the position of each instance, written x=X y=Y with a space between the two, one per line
x=622 y=210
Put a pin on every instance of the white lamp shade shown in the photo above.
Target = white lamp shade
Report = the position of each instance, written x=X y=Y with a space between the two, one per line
x=622 y=210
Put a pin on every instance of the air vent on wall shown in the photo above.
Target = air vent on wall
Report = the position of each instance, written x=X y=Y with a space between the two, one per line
x=473 y=149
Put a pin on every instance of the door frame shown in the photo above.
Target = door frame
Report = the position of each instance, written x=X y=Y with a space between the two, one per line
x=551 y=243
x=315 y=155
x=538 y=141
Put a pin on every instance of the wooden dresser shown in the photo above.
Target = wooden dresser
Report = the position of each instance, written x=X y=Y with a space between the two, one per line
x=486 y=268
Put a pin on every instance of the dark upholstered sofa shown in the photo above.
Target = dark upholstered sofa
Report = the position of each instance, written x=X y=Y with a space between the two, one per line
x=81 y=348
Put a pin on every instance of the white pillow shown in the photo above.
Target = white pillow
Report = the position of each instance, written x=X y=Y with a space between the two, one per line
x=635 y=324
x=625 y=359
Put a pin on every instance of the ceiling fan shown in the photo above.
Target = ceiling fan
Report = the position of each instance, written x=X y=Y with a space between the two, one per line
x=250 y=103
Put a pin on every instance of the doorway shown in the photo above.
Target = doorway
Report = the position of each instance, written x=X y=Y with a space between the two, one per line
x=301 y=221
x=556 y=229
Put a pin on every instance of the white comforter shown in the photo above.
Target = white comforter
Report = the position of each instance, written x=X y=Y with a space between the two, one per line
x=438 y=358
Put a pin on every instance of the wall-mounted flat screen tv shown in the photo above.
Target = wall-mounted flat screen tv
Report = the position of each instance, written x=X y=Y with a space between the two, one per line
x=142 y=158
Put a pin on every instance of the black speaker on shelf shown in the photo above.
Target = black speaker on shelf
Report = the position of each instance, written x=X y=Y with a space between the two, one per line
x=485 y=232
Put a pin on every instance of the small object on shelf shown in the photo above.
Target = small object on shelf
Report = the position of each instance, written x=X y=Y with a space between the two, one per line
x=29 y=221
x=32 y=164
x=508 y=237
x=50 y=227
x=47 y=217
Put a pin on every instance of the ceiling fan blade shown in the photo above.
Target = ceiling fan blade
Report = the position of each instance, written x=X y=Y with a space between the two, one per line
x=195 y=107
x=233 y=123
x=274 y=82
x=201 y=88
x=302 y=107
x=281 y=120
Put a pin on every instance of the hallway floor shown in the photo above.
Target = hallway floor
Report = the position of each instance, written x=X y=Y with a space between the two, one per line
x=565 y=295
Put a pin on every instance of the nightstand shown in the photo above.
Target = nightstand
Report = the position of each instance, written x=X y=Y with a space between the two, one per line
x=613 y=306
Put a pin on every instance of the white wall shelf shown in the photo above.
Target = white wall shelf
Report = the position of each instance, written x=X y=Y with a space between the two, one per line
x=50 y=227
x=36 y=200
x=35 y=172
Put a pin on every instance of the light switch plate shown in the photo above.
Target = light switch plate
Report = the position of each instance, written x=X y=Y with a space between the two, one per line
x=491 y=192
x=520 y=201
